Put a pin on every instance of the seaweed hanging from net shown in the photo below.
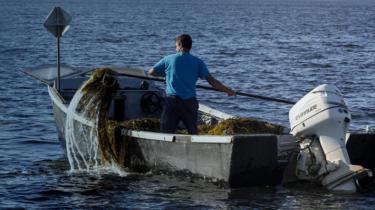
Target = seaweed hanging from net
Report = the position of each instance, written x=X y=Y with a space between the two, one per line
x=84 y=142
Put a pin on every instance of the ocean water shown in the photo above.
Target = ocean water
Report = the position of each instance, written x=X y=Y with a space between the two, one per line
x=280 y=49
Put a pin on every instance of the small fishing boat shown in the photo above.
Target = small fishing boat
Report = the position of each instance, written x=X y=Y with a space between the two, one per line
x=110 y=116
x=237 y=160
x=92 y=134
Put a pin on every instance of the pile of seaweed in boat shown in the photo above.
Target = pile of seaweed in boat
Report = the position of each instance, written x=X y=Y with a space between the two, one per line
x=240 y=125
x=230 y=126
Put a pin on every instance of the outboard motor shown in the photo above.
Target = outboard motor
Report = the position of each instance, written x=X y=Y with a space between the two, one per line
x=320 y=121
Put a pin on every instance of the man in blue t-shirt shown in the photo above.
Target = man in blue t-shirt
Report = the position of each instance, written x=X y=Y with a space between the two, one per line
x=181 y=71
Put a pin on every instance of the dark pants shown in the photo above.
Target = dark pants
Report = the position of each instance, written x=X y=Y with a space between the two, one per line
x=176 y=109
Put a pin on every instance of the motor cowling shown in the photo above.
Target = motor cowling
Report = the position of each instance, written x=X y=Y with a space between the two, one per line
x=320 y=121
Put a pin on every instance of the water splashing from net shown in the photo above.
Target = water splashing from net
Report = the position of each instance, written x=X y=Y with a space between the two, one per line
x=81 y=139
x=85 y=115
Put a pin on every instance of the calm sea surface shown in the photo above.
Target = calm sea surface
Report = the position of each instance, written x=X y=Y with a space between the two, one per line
x=279 y=49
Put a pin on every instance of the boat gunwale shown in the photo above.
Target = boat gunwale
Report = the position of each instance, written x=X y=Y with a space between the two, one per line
x=58 y=101
x=158 y=136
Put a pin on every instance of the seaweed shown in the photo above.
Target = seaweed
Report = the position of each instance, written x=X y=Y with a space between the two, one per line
x=96 y=94
x=236 y=126
x=231 y=126
x=144 y=124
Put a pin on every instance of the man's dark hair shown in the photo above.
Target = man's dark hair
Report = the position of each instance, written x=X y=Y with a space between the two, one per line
x=185 y=41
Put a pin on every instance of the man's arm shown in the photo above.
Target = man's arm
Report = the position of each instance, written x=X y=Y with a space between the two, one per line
x=219 y=86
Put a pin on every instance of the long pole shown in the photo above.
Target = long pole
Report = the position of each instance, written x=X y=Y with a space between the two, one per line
x=211 y=88
x=58 y=64
x=58 y=35
x=251 y=95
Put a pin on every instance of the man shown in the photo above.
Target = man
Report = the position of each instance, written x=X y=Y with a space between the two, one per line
x=181 y=71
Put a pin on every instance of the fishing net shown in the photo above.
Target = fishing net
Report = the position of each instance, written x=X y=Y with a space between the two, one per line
x=85 y=121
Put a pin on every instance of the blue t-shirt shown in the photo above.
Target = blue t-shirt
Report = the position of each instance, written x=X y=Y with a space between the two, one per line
x=181 y=72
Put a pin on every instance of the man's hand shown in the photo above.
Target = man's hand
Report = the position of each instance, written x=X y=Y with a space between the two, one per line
x=150 y=72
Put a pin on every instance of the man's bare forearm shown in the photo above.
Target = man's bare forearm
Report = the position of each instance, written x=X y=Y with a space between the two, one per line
x=219 y=86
